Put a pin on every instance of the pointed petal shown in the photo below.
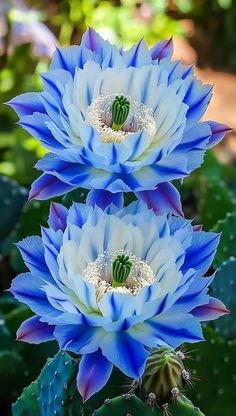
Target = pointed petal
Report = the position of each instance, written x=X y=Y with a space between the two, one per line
x=138 y=55
x=125 y=353
x=26 y=104
x=28 y=289
x=218 y=131
x=81 y=339
x=48 y=186
x=36 y=125
x=34 y=331
x=172 y=329
x=162 y=49
x=92 y=40
x=197 y=227
x=70 y=58
x=103 y=198
x=164 y=199
x=57 y=217
x=212 y=310
x=202 y=251
x=32 y=251
x=94 y=372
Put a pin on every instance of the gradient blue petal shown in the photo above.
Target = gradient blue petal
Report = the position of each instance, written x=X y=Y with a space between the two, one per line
x=34 y=331
x=212 y=310
x=94 y=373
x=218 y=131
x=202 y=251
x=125 y=352
x=103 y=198
x=168 y=329
x=32 y=251
x=80 y=339
x=162 y=49
x=26 y=104
x=165 y=198
x=57 y=217
x=27 y=288
x=48 y=186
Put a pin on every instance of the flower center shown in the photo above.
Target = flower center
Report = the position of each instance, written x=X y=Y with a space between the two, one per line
x=118 y=271
x=120 y=111
x=115 y=117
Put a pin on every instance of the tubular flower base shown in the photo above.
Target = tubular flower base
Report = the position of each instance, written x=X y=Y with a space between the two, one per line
x=159 y=302
x=118 y=121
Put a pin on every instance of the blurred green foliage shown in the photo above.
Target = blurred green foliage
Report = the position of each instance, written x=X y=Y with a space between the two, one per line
x=215 y=36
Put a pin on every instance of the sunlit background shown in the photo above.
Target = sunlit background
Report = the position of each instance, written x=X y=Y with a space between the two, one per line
x=204 y=34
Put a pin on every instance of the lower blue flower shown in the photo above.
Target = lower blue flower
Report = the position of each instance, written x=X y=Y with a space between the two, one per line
x=113 y=284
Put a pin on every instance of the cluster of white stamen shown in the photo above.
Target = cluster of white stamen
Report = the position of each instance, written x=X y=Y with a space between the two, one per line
x=99 y=273
x=99 y=115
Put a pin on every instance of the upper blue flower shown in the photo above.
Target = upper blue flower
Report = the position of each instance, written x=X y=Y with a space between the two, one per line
x=161 y=138
x=113 y=284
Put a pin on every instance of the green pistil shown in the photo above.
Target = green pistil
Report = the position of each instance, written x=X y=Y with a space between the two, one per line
x=120 y=270
x=120 y=111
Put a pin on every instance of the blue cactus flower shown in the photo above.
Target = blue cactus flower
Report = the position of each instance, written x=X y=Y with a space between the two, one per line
x=162 y=137
x=112 y=284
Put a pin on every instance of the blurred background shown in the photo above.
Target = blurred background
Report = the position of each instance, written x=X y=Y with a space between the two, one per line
x=204 y=34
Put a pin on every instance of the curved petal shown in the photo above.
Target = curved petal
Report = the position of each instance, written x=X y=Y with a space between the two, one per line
x=57 y=217
x=164 y=199
x=212 y=310
x=94 y=372
x=36 y=125
x=34 y=331
x=169 y=329
x=28 y=289
x=201 y=252
x=117 y=305
x=125 y=353
x=138 y=55
x=103 y=198
x=27 y=104
x=218 y=131
x=197 y=97
x=32 y=251
x=162 y=49
x=80 y=339
x=48 y=186
x=71 y=58
x=92 y=40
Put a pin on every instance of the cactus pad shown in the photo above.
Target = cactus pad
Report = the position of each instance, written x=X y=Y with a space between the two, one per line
x=224 y=287
x=227 y=246
x=12 y=197
x=214 y=201
x=133 y=406
x=57 y=384
x=215 y=366
x=27 y=404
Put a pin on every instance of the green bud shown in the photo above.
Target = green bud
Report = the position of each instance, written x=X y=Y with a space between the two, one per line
x=120 y=111
x=120 y=270
x=163 y=373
